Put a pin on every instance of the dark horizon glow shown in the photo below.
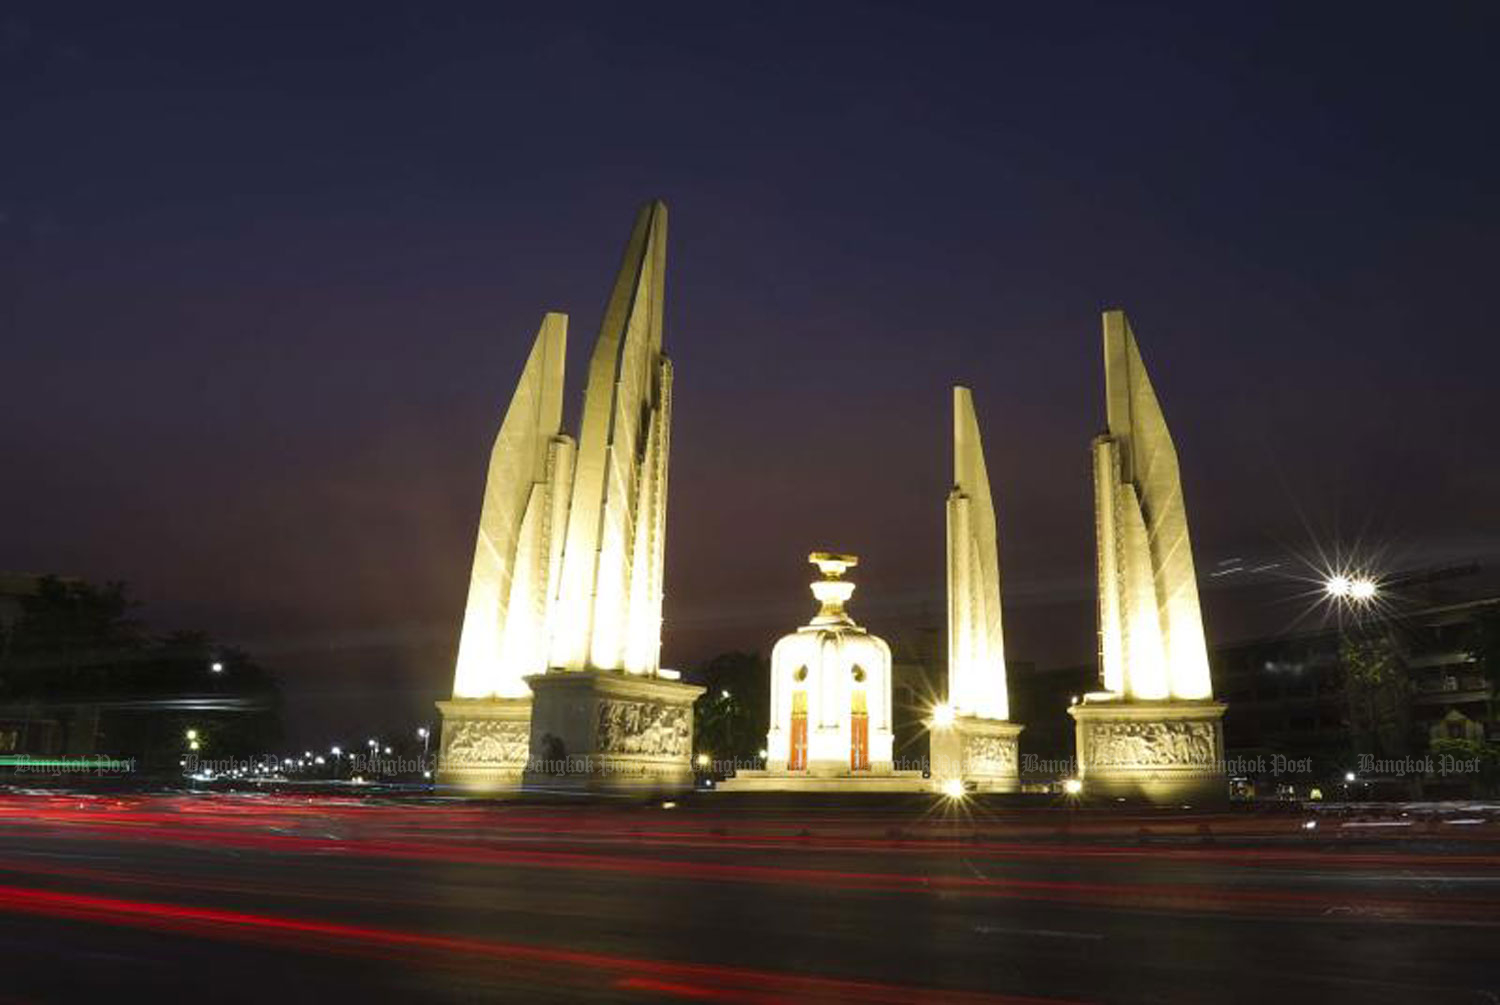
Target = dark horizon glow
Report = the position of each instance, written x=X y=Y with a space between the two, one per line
x=267 y=279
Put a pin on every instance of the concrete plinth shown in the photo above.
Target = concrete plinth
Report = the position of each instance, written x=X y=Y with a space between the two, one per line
x=1159 y=752
x=980 y=752
x=609 y=731
x=774 y=780
x=484 y=744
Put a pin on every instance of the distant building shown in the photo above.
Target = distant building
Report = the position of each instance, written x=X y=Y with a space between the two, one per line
x=1295 y=694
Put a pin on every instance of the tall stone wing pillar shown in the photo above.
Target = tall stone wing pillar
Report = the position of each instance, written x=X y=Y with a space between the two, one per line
x=610 y=598
x=558 y=676
x=506 y=616
x=1154 y=730
x=604 y=717
x=972 y=742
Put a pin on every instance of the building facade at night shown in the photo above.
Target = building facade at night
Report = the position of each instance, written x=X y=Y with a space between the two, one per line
x=1302 y=695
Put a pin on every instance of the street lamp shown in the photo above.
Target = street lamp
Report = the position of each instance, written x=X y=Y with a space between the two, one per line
x=1359 y=588
x=216 y=667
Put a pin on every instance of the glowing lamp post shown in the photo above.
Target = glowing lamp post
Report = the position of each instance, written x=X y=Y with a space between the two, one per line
x=1360 y=589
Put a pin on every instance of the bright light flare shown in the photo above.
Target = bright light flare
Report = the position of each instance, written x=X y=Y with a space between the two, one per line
x=1073 y=786
x=1363 y=589
x=943 y=715
x=953 y=788
x=1338 y=586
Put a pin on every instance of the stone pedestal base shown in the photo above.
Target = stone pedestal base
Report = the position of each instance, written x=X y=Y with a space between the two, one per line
x=775 y=779
x=981 y=752
x=1157 y=751
x=607 y=731
x=484 y=744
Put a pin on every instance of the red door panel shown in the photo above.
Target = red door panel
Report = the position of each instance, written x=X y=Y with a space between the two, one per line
x=798 y=761
x=859 y=742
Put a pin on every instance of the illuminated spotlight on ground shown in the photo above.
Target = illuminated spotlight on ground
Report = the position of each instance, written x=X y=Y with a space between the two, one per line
x=953 y=788
x=1338 y=586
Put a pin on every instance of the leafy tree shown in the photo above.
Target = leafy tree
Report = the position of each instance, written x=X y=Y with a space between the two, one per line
x=76 y=643
x=67 y=630
x=1375 y=682
x=730 y=719
x=1458 y=755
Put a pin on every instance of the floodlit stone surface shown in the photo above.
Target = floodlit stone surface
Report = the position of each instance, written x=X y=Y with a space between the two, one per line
x=611 y=587
x=567 y=575
x=505 y=627
x=979 y=746
x=830 y=702
x=607 y=731
x=1150 y=622
x=976 y=643
x=1154 y=730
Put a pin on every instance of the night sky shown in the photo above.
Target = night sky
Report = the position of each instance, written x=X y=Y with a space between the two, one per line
x=268 y=276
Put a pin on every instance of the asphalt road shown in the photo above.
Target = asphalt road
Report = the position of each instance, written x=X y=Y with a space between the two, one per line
x=317 y=899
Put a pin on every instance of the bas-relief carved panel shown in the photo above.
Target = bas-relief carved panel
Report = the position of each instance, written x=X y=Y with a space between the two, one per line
x=644 y=727
x=1151 y=744
x=486 y=742
x=990 y=755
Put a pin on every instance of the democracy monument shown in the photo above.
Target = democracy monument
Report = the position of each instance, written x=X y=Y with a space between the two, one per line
x=1154 y=730
x=558 y=683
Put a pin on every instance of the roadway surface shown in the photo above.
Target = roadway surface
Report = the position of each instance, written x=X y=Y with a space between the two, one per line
x=285 y=899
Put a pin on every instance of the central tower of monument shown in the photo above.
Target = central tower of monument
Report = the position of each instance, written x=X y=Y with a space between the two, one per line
x=1154 y=730
x=830 y=728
